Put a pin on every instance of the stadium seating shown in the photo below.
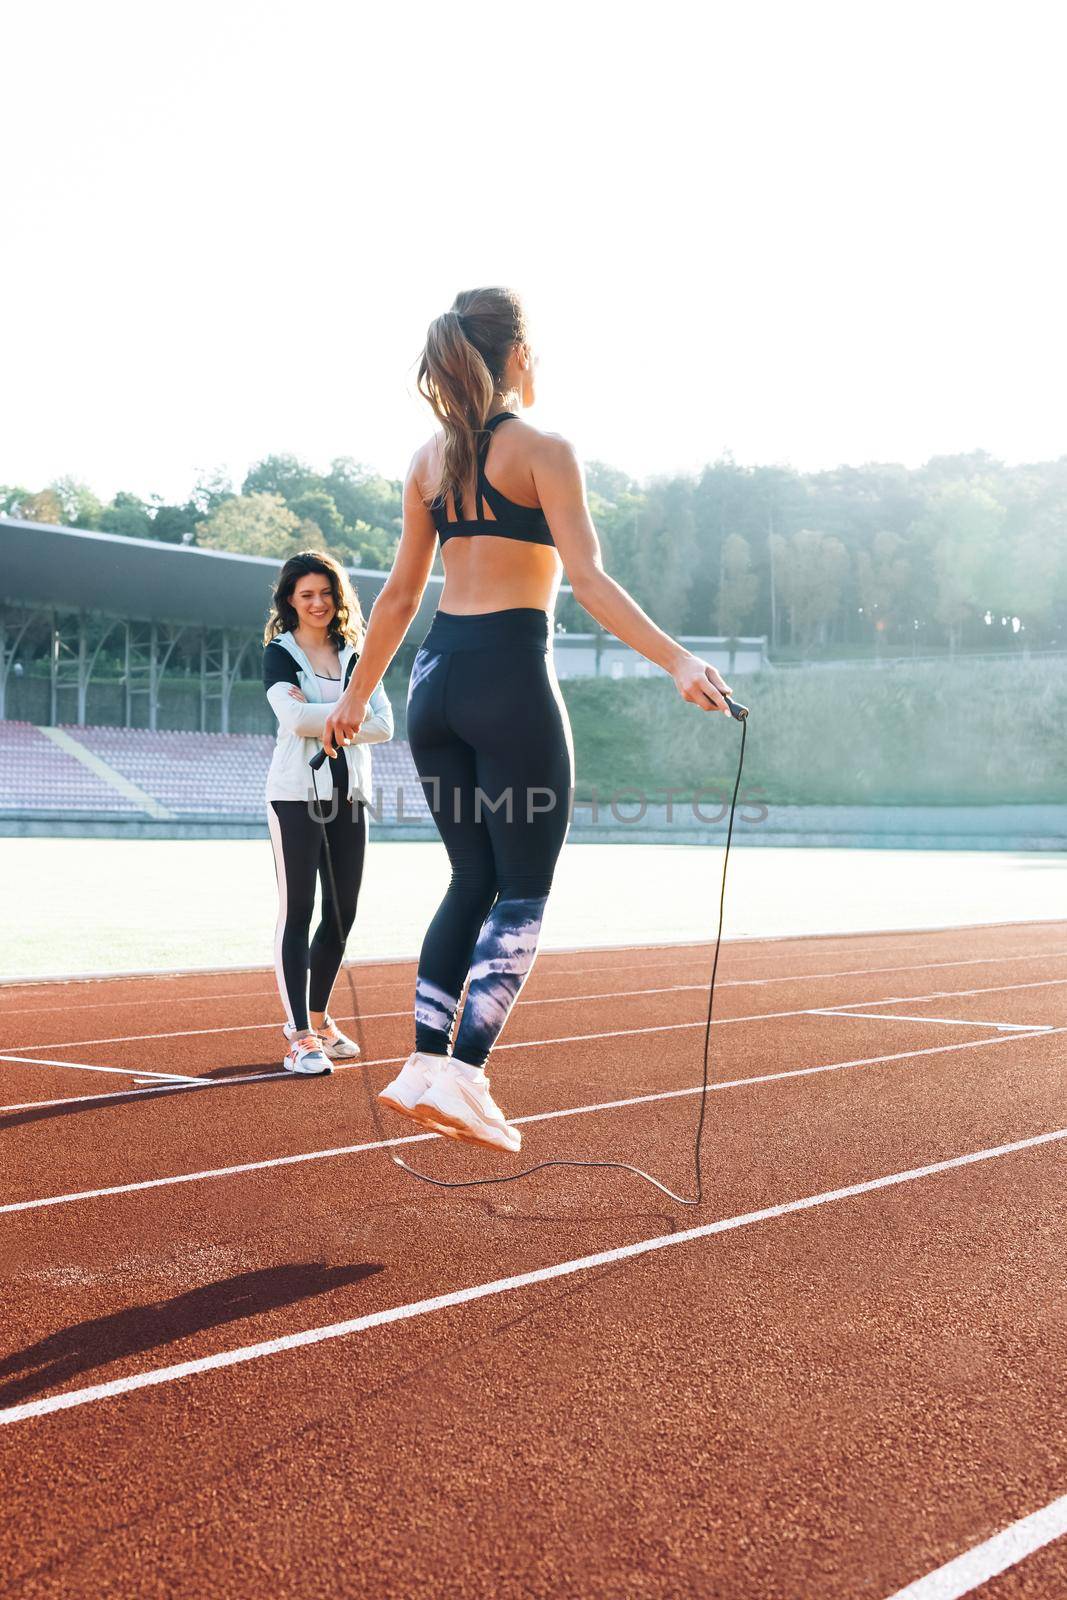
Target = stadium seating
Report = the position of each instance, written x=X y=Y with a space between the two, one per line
x=201 y=775
x=37 y=776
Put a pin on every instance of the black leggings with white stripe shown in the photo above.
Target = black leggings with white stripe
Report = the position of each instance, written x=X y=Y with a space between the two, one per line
x=307 y=968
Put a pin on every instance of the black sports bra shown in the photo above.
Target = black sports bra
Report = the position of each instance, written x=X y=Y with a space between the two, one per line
x=512 y=521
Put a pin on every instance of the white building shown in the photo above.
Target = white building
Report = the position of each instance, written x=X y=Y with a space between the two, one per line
x=588 y=655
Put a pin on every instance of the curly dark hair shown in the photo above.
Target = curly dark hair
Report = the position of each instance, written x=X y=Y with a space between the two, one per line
x=347 y=625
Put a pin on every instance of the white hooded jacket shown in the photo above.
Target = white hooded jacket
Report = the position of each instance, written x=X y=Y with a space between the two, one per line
x=300 y=729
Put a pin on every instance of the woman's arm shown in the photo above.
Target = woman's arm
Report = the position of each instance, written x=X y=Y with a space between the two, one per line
x=377 y=725
x=557 y=473
x=391 y=614
x=294 y=713
x=299 y=716
x=281 y=680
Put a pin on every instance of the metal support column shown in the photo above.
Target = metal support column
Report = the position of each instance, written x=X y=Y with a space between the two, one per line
x=77 y=639
x=66 y=659
x=220 y=662
x=13 y=626
x=148 y=650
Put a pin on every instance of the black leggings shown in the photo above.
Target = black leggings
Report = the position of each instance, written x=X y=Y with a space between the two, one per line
x=307 y=972
x=490 y=737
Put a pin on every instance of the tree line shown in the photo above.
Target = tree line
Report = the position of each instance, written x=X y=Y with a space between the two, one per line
x=963 y=552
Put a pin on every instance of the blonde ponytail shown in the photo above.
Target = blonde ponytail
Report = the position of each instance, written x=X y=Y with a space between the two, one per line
x=462 y=365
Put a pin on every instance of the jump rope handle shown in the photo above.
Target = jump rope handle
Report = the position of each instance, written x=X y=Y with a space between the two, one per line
x=319 y=760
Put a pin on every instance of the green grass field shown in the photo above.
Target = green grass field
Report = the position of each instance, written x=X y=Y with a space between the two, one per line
x=117 y=905
x=964 y=733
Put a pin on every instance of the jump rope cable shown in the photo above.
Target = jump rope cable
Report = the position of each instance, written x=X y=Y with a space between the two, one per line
x=741 y=714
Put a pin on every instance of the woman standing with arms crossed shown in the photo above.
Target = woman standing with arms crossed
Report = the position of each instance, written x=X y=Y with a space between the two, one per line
x=311 y=646
x=487 y=725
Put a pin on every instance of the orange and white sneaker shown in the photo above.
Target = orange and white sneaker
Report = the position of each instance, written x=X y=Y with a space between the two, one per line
x=333 y=1043
x=306 y=1059
x=408 y=1087
x=457 y=1098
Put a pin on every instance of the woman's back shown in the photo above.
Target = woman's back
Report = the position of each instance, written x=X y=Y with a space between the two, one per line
x=496 y=545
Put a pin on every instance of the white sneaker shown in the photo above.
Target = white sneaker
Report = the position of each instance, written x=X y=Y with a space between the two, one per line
x=338 y=1048
x=408 y=1087
x=305 y=1057
x=458 y=1098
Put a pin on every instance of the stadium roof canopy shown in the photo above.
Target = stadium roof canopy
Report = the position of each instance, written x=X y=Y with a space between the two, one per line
x=145 y=580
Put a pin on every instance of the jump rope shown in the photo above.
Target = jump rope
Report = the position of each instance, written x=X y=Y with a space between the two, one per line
x=740 y=713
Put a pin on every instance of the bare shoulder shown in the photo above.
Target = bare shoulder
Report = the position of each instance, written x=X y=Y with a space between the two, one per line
x=428 y=454
x=425 y=465
x=550 y=451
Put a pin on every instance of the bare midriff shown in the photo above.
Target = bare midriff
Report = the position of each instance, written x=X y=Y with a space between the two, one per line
x=488 y=573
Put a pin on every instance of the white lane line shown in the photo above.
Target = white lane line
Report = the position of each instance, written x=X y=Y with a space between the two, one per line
x=757 y=1016
x=622 y=966
x=367 y=1016
x=1006 y=1549
x=481 y=1291
x=398 y=983
x=227 y=1172
x=135 y=1093
x=874 y=972
x=143 y=1038
x=938 y=994
x=945 y=1022
x=84 y=1066
x=539 y=1116
x=389 y=1061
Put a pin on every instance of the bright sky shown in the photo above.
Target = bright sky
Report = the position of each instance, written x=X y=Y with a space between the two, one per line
x=814 y=233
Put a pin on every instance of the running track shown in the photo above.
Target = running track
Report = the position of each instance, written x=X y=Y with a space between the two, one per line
x=240 y=1357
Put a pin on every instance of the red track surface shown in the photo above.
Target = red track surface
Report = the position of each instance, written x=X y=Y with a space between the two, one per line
x=828 y=1402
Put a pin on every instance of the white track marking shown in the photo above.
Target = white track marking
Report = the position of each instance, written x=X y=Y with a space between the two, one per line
x=719 y=1021
x=757 y=1016
x=538 y=1116
x=227 y=1172
x=135 y=1093
x=874 y=972
x=946 y=1022
x=122 y=1094
x=481 y=1291
x=7 y=985
x=367 y=1016
x=1005 y=1549
x=389 y=1061
x=84 y=1066
x=942 y=994
x=744 y=942
x=405 y=983
x=644 y=966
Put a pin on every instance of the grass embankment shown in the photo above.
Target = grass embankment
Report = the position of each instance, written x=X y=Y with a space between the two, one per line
x=963 y=734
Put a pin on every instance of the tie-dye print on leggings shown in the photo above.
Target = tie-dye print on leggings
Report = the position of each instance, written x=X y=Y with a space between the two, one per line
x=491 y=740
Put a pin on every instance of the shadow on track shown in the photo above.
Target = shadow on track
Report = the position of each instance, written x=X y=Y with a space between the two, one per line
x=106 y=1099
x=70 y=1352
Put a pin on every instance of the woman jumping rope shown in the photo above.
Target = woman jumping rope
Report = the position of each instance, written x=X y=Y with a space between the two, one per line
x=487 y=725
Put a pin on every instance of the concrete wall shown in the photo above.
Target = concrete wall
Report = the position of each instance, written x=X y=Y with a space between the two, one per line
x=1012 y=828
